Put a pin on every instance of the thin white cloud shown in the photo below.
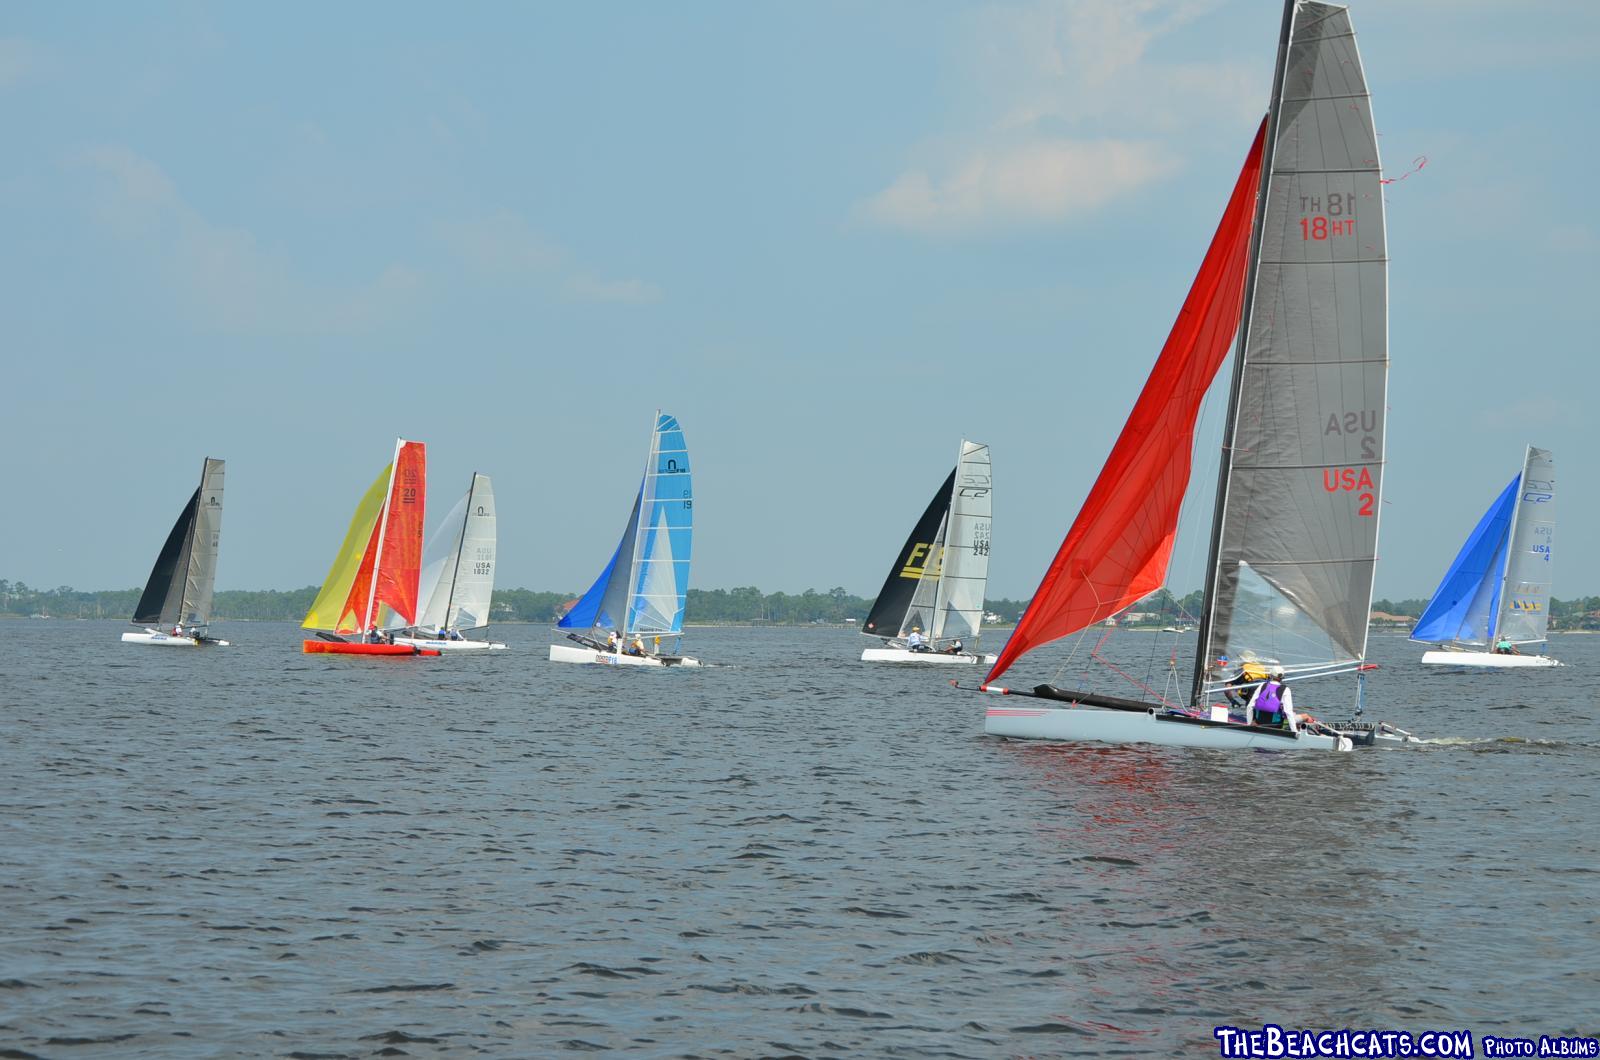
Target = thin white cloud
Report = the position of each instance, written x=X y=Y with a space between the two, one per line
x=503 y=245
x=588 y=288
x=20 y=58
x=1039 y=180
x=1069 y=112
x=220 y=276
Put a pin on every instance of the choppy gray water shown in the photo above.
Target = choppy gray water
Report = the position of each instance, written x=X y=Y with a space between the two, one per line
x=248 y=851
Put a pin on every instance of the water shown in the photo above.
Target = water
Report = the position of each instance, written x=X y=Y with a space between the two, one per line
x=248 y=851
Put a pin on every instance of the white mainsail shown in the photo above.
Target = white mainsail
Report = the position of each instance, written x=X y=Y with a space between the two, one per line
x=457 y=579
x=964 y=558
x=1525 y=595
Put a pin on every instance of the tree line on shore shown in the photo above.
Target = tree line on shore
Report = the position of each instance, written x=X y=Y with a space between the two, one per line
x=745 y=605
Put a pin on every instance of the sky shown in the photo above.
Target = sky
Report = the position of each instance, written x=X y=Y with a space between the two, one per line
x=833 y=238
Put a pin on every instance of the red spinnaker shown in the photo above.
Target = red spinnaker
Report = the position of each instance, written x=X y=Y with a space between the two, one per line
x=351 y=618
x=401 y=566
x=1118 y=548
x=402 y=544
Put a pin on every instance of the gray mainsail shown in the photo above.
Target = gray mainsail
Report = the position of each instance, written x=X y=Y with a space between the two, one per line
x=1525 y=597
x=1295 y=542
x=181 y=583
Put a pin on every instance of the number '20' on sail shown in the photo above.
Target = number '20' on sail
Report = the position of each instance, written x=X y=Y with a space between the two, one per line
x=375 y=573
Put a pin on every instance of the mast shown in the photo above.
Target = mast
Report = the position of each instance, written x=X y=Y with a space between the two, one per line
x=455 y=571
x=383 y=526
x=1236 y=384
x=638 y=526
x=1511 y=544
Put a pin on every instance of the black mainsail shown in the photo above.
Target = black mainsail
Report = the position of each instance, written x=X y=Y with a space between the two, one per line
x=182 y=580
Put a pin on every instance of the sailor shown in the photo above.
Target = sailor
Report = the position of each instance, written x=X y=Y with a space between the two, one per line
x=1230 y=688
x=914 y=641
x=954 y=648
x=1503 y=646
x=612 y=643
x=1274 y=704
x=657 y=648
x=637 y=647
x=442 y=634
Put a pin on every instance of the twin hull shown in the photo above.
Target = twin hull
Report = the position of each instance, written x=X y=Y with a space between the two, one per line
x=339 y=647
x=566 y=653
x=1095 y=725
x=905 y=655
x=450 y=645
x=1485 y=659
x=166 y=640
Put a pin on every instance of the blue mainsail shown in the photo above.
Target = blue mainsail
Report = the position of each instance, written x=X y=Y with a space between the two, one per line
x=660 y=583
x=1465 y=605
x=649 y=571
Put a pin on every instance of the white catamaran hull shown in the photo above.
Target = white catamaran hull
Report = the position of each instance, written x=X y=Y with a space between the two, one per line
x=167 y=640
x=1486 y=659
x=906 y=655
x=565 y=653
x=450 y=645
x=1096 y=725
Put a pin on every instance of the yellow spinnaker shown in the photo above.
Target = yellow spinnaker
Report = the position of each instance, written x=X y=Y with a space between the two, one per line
x=325 y=610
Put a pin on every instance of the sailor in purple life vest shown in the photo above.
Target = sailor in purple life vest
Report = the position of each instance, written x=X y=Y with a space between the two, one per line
x=1274 y=704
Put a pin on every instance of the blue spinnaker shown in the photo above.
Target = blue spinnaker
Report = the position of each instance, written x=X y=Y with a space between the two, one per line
x=1464 y=606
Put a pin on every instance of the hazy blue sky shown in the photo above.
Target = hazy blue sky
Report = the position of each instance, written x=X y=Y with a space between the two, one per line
x=832 y=238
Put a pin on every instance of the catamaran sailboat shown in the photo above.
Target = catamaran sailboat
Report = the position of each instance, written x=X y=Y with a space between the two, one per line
x=1496 y=595
x=376 y=570
x=935 y=588
x=642 y=591
x=175 y=607
x=457 y=578
x=1297 y=269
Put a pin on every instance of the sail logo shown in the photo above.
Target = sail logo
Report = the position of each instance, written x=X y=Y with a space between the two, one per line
x=1348 y=479
x=1526 y=606
x=1537 y=498
x=1352 y=480
x=922 y=562
x=671 y=467
x=974 y=485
